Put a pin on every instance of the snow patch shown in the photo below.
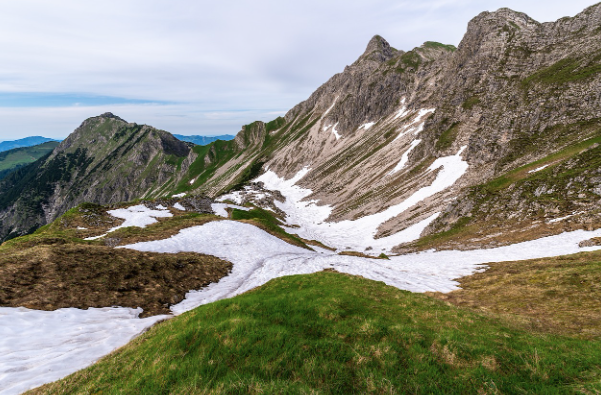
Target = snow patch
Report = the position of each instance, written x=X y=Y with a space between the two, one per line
x=367 y=125
x=335 y=131
x=358 y=235
x=330 y=109
x=220 y=208
x=179 y=207
x=192 y=181
x=416 y=125
x=39 y=347
x=538 y=169
x=405 y=157
x=139 y=215
x=179 y=195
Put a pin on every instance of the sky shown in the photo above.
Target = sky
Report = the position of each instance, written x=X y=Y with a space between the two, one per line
x=202 y=67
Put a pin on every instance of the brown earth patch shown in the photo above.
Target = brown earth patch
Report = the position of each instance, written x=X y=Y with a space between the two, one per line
x=56 y=275
x=558 y=295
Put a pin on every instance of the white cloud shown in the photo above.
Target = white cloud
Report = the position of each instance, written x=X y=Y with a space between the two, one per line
x=212 y=56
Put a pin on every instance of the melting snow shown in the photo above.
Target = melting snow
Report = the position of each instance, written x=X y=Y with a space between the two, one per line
x=38 y=347
x=192 y=181
x=335 y=131
x=358 y=235
x=139 y=215
x=403 y=111
x=538 y=169
x=405 y=157
x=259 y=257
x=179 y=195
x=367 y=125
x=566 y=217
x=416 y=121
x=220 y=208
x=179 y=207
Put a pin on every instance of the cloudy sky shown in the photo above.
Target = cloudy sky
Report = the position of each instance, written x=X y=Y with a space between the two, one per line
x=202 y=67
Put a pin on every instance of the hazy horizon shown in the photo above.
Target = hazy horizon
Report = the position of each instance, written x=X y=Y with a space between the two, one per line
x=198 y=67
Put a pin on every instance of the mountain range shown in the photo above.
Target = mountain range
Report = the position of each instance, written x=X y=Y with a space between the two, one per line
x=203 y=140
x=24 y=142
x=418 y=207
x=516 y=96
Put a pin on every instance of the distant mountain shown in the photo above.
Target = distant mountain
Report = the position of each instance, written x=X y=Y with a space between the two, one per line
x=106 y=160
x=25 y=142
x=15 y=158
x=203 y=140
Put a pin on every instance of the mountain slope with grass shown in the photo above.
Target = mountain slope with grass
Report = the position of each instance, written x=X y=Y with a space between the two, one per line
x=15 y=158
x=106 y=160
x=333 y=333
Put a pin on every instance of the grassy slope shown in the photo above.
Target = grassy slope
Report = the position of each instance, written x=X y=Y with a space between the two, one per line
x=333 y=333
x=19 y=157
x=557 y=295
x=54 y=268
x=562 y=166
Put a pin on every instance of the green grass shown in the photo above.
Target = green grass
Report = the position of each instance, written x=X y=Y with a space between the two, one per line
x=447 y=137
x=522 y=172
x=329 y=333
x=15 y=158
x=268 y=222
x=470 y=103
x=565 y=70
x=436 y=45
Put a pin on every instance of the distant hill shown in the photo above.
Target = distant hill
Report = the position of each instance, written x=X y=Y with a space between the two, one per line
x=203 y=140
x=16 y=158
x=25 y=142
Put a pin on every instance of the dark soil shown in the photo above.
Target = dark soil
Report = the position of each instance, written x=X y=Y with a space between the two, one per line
x=55 y=275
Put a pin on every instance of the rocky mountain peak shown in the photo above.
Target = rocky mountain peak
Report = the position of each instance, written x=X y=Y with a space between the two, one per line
x=378 y=50
x=110 y=115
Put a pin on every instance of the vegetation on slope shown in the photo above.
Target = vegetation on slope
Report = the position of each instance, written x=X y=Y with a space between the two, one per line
x=19 y=157
x=560 y=295
x=333 y=333
x=268 y=222
x=54 y=267
x=517 y=205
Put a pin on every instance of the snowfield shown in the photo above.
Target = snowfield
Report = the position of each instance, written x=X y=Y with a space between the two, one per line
x=37 y=347
x=358 y=235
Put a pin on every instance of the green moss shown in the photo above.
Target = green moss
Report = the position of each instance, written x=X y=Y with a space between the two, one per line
x=275 y=124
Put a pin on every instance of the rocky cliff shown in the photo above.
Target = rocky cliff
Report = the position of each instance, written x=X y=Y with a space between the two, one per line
x=516 y=95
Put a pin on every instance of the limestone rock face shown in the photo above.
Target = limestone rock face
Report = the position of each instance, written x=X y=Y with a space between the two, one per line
x=513 y=92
